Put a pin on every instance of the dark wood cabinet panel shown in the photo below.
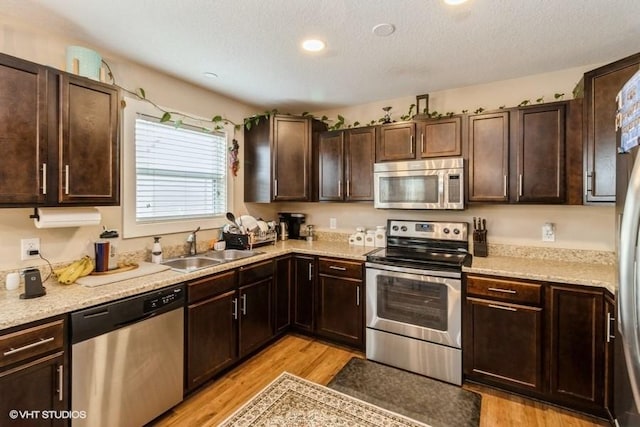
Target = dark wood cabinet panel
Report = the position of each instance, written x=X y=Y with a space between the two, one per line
x=489 y=142
x=303 y=293
x=576 y=346
x=340 y=304
x=23 y=132
x=211 y=337
x=255 y=318
x=440 y=137
x=540 y=153
x=600 y=89
x=34 y=386
x=503 y=344
x=331 y=166
x=292 y=158
x=282 y=293
x=396 y=142
x=609 y=362
x=89 y=152
x=360 y=155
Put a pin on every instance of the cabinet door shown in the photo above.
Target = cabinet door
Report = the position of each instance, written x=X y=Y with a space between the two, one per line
x=396 y=142
x=255 y=319
x=330 y=166
x=440 y=137
x=541 y=154
x=503 y=344
x=489 y=157
x=360 y=155
x=576 y=346
x=292 y=158
x=23 y=132
x=89 y=167
x=340 y=313
x=34 y=386
x=282 y=294
x=303 y=293
x=211 y=337
x=600 y=89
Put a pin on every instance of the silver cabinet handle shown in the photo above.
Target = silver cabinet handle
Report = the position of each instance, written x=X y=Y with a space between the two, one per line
x=66 y=179
x=520 y=185
x=348 y=188
x=609 y=321
x=310 y=271
x=339 y=188
x=28 y=346
x=44 y=178
x=502 y=307
x=411 y=144
x=275 y=188
x=358 y=296
x=506 y=291
x=422 y=142
x=243 y=308
x=504 y=185
x=335 y=267
x=235 y=309
x=60 y=382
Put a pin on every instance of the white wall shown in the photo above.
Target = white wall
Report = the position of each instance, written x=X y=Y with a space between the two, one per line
x=577 y=227
x=21 y=40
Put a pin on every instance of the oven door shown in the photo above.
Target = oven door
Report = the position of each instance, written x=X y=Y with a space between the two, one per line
x=408 y=302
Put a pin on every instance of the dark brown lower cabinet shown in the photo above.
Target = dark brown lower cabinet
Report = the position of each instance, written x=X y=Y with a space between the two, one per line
x=340 y=307
x=282 y=293
x=553 y=343
x=255 y=322
x=303 y=290
x=505 y=344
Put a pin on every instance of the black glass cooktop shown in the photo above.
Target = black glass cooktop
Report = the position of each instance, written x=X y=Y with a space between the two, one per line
x=422 y=257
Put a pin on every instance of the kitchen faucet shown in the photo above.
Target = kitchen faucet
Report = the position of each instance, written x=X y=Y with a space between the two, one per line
x=193 y=248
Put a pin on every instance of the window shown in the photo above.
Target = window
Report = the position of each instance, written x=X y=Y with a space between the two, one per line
x=180 y=172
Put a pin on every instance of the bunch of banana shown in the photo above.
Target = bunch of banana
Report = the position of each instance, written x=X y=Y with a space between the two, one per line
x=76 y=269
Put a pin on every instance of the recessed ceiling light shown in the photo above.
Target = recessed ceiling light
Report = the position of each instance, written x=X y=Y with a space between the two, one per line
x=383 y=30
x=210 y=75
x=455 y=2
x=313 y=45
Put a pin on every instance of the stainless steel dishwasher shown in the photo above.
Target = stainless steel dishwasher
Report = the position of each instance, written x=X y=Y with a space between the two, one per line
x=127 y=359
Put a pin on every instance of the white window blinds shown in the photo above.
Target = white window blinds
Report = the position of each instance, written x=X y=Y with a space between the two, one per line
x=181 y=172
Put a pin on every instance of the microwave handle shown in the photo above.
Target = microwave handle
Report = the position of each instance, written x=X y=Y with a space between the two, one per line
x=443 y=176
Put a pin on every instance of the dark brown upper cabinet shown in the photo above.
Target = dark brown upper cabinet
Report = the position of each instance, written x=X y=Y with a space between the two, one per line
x=439 y=137
x=278 y=159
x=61 y=137
x=396 y=141
x=345 y=164
x=518 y=155
x=600 y=89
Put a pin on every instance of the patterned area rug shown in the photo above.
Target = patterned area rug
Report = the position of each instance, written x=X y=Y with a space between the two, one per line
x=420 y=398
x=292 y=401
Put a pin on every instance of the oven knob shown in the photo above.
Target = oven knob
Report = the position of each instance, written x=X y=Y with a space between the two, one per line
x=394 y=228
x=403 y=228
x=456 y=231
x=445 y=231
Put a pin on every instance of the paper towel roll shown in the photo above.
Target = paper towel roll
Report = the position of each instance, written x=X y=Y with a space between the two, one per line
x=67 y=217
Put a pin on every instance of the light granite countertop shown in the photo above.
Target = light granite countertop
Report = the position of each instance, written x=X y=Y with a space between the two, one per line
x=576 y=273
x=62 y=299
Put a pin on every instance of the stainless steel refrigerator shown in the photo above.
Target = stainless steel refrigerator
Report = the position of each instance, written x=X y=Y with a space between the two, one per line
x=627 y=342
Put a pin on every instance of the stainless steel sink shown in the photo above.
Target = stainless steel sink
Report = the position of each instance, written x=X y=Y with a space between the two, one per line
x=192 y=263
x=231 y=254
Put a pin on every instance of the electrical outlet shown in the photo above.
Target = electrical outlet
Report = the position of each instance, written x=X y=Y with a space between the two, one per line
x=333 y=223
x=27 y=245
x=549 y=232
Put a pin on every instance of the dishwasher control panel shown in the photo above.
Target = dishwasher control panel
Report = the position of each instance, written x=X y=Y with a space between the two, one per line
x=163 y=298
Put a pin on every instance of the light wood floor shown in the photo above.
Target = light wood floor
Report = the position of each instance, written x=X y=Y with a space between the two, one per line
x=318 y=361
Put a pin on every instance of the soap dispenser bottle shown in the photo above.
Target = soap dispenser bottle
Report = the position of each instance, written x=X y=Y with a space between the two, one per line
x=156 y=251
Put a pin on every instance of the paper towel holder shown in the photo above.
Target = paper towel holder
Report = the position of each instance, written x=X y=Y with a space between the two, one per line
x=64 y=217
x=35 y=215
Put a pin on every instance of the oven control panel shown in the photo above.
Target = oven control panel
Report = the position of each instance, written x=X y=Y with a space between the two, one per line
x=439 y=230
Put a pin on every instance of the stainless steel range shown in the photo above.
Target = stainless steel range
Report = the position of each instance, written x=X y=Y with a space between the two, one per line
x=414 y=302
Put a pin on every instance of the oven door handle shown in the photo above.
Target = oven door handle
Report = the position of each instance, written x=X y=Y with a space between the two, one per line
x=415 y=271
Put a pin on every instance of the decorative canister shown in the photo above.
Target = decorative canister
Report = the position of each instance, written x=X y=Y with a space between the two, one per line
x=381 y=236
x=359 y=236
x=369 y=238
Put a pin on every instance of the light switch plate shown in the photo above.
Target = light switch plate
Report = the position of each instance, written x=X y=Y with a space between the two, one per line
x=333 y=223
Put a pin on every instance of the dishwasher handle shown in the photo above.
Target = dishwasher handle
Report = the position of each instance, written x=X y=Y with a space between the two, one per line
x=136 y=320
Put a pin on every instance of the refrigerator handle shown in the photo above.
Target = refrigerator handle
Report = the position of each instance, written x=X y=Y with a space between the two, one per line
x=628 y=273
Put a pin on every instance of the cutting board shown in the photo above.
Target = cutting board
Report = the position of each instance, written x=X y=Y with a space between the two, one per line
x=144 y=268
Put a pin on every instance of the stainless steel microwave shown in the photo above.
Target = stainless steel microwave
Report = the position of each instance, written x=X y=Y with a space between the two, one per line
x=419 y=184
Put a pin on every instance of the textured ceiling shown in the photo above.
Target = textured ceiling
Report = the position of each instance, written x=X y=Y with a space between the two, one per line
x=253 y=45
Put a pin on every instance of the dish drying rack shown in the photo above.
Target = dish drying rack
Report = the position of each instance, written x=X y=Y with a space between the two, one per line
x=235 y=239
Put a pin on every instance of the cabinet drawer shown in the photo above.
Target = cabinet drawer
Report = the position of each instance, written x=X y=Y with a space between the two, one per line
x=212 y=285
x=256 y=272
x=340 y=268
x=505 y=290
x=31 y=342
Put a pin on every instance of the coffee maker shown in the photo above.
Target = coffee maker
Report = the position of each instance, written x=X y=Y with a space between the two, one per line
x=293 y=223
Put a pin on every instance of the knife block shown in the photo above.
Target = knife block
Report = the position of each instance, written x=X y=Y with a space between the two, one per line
x=480 y=243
